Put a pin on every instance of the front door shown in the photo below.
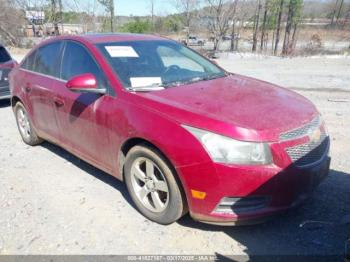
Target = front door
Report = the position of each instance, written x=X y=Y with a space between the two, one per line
x=82 y=117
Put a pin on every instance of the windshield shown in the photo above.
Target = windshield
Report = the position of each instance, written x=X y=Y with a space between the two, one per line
x=157 y=64
x=4 y=56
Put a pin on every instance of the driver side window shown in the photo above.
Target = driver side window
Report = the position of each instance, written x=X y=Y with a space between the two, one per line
x=77 y=61
x=170 y=57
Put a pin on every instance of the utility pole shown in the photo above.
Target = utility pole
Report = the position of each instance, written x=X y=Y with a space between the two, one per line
x=152 y=13
x=109 y=6
x=61 y=14
x=54 y=16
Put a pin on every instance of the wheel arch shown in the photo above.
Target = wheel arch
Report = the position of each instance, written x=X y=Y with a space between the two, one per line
x=15 y=100
x=137 y=141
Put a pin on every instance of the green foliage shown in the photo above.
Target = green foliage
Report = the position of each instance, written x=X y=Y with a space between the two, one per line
x=73 y=17
x=273 y=9
x=138 y=26
x=108 y=4
x=173 y=23
x=297 y=6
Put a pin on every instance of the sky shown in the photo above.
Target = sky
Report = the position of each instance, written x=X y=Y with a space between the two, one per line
x=126 y=7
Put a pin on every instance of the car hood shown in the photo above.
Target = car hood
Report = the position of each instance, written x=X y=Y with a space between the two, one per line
x=236 y=106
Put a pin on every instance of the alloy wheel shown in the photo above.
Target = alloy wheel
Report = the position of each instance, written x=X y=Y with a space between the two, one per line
x=23 y=123
x=149 y=185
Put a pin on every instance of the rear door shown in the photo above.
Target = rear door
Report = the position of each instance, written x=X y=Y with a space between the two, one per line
x=83 y=117
x=42 y=67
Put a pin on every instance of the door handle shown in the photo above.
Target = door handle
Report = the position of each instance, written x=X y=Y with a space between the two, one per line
x=27 y=88
x=58 y=102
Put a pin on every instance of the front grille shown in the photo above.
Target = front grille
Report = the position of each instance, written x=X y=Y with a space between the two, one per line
x=302 y=131
x=312 y=151
x=309 y=153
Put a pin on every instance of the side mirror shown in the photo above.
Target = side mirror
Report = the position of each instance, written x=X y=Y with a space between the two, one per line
x=85 y=83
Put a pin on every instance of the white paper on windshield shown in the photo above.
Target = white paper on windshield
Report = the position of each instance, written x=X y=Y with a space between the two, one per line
x=121 y=51
x=145 y=81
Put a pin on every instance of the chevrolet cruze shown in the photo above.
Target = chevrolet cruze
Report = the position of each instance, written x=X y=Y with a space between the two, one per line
x=181 y=132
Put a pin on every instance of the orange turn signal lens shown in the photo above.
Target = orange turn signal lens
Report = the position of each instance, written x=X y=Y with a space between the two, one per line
x=198 y=194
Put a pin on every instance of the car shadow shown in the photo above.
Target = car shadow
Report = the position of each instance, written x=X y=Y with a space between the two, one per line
x=91 y=170
x=312 y=229
x=5 y=103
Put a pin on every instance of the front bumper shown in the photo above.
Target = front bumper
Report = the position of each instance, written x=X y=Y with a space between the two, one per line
x=281 y=188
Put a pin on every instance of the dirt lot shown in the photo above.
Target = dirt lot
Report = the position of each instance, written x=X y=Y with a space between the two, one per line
x=53 y=203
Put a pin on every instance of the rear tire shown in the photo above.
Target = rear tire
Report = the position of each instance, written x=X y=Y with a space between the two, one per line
x=25 y=127
x=152 y=185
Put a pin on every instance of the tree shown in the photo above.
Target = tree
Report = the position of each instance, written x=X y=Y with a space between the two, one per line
x=187 y=8
x=220 y=12
x=334 y=12
x=152 y=6
x=55 y=16
x=173 y=23
x=340 y=9
x=256 y=25
x=279 y=21
x=293 y=19
x=11 y=20
x=263 y=31
x=109 y=6
x=234 y=22
x=138 y=26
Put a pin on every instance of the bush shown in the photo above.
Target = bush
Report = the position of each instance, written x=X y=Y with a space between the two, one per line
x=137 y=26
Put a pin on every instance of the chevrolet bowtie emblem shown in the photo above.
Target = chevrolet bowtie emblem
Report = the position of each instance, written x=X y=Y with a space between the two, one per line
x=315 y=136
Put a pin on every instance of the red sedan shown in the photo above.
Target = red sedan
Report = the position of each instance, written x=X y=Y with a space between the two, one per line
x=184 y=134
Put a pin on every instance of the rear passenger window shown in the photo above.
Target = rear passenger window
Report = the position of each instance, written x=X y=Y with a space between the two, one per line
x=77 y=61
x=47 y=59
x=4 y=56
x=29 y=62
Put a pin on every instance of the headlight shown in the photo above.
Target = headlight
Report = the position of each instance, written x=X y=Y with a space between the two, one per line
x=229 y=151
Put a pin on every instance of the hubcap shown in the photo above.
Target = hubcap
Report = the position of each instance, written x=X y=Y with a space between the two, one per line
x=23 y=123
x=149 y=185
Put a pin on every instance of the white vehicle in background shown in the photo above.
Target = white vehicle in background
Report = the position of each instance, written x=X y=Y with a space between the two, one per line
x=193 y=41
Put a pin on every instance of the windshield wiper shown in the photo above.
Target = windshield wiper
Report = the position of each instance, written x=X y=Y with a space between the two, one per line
x=193 y=80
x=152 y=87
x=184 y=82
x=159 y=86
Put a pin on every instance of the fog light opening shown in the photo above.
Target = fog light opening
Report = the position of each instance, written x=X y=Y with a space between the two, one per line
x=236 y=205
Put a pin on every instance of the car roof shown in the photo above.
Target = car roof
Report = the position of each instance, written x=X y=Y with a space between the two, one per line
x=111 y=37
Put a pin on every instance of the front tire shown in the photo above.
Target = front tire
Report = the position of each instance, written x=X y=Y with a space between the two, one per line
x=152 y=185
x=25 y=126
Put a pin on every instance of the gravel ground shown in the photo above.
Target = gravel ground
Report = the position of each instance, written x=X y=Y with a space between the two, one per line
x=53 y=203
